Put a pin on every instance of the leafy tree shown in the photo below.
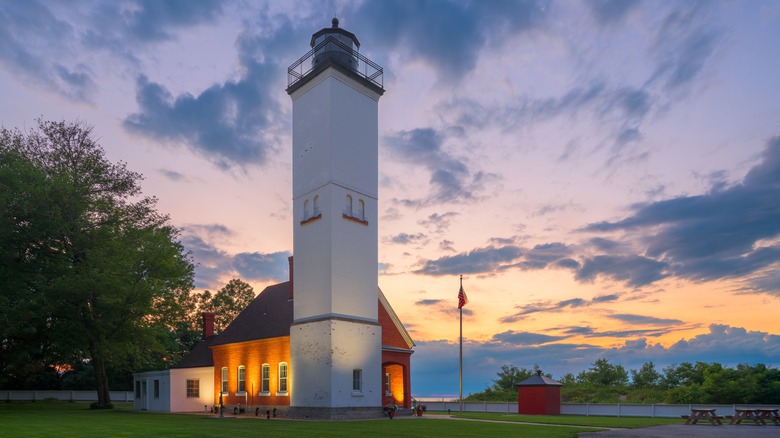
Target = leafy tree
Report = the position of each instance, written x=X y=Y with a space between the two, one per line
x=97 y=272
x=226 y=304
x=646 y=377
x=603 y=373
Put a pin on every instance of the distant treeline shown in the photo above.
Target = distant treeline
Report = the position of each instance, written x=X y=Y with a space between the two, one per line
x=682 y=383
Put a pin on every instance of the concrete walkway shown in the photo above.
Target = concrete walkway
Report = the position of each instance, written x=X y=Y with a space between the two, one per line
x=690 y=431
x=666 y=431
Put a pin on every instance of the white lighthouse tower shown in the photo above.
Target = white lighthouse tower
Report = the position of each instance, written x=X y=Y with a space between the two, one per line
x=335 y=337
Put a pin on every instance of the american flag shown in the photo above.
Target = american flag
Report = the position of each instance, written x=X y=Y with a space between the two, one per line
x=462 y=298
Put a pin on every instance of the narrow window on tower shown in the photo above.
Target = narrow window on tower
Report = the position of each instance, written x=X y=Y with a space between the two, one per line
x=313 y=214
x=357 y=381
x=358 y=216
x=348 y=207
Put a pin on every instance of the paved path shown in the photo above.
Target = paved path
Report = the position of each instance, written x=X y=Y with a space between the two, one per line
x=690 y=431
x=666 y=431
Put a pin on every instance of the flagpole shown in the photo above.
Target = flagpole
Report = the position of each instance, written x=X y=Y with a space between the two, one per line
x=460 y=369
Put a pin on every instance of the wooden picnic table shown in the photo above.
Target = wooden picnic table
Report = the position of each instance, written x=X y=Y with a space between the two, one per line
x=707 y=414
x=757 y=416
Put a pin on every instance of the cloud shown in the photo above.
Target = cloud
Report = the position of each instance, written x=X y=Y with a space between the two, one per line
x=644 y=320
x=213 y=264
x=635 y=271
x=684 y=44
x=408 y=239
x=476 y=261
x=451 y=180
x=173 y=175
x=729 y=232
x=543 y=307
x=235 y=124
x=525 y=338
x=439 y=223
x=452 y=35
x=40 y=48
x=608 y=12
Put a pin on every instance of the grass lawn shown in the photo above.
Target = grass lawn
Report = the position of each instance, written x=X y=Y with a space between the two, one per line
x=573 y=420
x=63 y=419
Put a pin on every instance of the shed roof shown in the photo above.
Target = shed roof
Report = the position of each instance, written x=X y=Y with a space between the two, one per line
x=539 y=380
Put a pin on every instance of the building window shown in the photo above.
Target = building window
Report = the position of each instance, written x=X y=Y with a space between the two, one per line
x=241 y=379
x=193 y=388
x=387 y=385
x=224 y=380
x=282 y=379
x=137 y=389
x=156 y=389
x=361 y=210
x=316 y=209
x=306 y=213
x=265 y=379
x=348 y=207
x=357 y=380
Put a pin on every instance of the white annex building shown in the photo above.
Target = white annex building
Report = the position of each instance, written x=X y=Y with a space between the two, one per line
x=334 y=347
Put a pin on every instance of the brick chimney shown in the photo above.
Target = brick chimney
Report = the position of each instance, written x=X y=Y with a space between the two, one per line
x=290 y=260
x=208 y=324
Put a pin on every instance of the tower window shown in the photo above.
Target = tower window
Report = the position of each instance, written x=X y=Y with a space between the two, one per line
x=316 y=210
x=358 y=216
x=357 y=380
x=348 y=207
x=306 y=212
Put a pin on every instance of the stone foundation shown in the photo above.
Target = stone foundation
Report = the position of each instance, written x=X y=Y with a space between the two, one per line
x=320 y=413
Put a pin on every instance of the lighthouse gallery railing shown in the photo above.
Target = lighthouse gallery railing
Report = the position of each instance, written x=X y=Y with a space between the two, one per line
x=335 y=51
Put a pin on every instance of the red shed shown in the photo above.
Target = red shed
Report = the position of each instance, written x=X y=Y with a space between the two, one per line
x=539 y=395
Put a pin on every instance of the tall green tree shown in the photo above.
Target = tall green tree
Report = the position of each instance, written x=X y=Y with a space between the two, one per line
x=226 y=303
x=100 y=271
x=646 y=376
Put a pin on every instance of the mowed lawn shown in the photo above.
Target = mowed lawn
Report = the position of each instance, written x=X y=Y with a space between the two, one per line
x=63 y=419
x=573 y=420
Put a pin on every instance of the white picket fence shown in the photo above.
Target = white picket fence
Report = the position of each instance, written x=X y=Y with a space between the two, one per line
x=592 y=409
x=116 y=396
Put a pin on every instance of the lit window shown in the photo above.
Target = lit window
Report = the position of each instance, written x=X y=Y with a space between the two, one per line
x=193 y=388
x=357 y=380
x=241 y=379
x=283 y=378
x=265 y=379
x=224 y=379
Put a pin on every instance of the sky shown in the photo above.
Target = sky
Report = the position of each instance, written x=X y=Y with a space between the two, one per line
x=604 y=174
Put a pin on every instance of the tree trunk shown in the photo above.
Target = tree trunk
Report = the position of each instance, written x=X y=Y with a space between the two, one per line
x=101 y=378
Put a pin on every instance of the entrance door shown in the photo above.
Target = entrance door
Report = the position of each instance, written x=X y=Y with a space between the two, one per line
x=144 y=395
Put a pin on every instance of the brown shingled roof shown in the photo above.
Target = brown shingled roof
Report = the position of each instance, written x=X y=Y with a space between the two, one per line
x=269 y=315
x=199 y=356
